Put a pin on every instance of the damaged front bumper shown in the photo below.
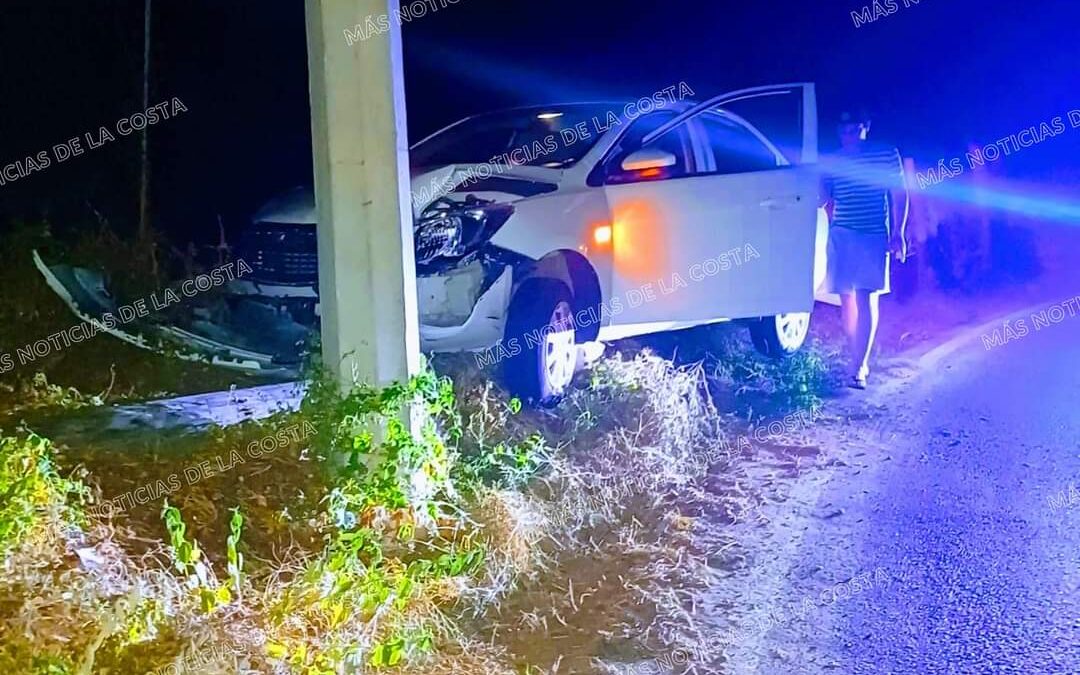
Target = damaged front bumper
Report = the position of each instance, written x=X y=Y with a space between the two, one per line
x=84 y=293
x=465 y=309
x=462 y=305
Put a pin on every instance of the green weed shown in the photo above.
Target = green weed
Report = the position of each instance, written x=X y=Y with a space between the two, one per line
x=32 y=491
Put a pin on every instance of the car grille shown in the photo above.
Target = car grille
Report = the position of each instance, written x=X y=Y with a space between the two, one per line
x=281 y=253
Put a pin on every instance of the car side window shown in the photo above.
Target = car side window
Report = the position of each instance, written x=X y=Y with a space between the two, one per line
x=676 y=142
x=734 y=148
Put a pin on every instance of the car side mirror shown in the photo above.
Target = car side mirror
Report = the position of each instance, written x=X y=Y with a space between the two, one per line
x=648 y=158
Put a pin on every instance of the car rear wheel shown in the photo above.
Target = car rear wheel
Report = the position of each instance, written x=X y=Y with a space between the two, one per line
x=541 y=320
x=781 y=335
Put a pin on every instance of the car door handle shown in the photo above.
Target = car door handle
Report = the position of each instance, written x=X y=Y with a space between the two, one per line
x=780 y=202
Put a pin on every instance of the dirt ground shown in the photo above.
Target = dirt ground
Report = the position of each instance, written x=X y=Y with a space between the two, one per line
x=856 y=439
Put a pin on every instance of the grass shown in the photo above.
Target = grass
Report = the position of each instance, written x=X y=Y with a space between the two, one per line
x=32 y=492
x=626 y=518
x=799 y=382
x=496 y=539
x=358 y=577
x=742 y=380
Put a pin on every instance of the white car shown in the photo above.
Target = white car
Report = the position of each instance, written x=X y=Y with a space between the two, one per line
x=684 y=216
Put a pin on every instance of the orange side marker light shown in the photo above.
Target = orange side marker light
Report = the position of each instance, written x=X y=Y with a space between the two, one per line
x=602 y=234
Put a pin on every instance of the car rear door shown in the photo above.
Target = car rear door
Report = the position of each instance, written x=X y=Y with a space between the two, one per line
x=734 y=235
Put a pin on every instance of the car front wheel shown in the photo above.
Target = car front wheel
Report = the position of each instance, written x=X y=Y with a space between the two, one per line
x=781 y=335
x=544 y=356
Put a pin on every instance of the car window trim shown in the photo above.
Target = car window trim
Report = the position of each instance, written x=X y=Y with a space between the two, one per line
x=599 y=175
x=808 y=118
x=723 y=99
x=738 y=120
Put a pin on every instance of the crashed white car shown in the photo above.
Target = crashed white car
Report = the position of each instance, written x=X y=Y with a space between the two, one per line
x=598 y=227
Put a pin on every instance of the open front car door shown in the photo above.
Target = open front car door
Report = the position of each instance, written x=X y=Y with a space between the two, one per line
x=716 y=209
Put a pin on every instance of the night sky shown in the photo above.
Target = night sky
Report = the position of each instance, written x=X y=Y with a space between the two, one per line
x=936 y=75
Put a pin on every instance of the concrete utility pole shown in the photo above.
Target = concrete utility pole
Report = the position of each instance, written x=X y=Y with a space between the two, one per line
x=367 y=273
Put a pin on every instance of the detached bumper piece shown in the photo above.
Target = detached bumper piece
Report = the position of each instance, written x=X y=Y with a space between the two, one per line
x=257 y=339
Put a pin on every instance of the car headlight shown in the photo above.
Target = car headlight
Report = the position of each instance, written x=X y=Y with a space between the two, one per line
x=449 y=229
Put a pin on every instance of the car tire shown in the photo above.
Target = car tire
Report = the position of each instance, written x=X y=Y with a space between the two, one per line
x=782 y=335
x=543 y=360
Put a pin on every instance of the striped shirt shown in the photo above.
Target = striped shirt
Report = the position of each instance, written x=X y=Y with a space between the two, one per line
x=858 y=184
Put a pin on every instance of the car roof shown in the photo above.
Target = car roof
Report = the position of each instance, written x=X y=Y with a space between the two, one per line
x=617 y=107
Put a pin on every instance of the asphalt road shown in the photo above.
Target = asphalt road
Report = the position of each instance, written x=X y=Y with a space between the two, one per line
x=975 y=571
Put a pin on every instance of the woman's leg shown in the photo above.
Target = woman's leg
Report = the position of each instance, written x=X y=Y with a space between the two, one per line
x=866 y=307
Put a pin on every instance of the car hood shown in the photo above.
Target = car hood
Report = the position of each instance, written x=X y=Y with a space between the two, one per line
x=487 y=181
x=297 y=206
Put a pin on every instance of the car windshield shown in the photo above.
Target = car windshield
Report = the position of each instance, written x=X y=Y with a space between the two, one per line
x=554 y=137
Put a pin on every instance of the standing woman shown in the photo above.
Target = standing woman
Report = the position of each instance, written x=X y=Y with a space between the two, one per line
x=869 y=207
